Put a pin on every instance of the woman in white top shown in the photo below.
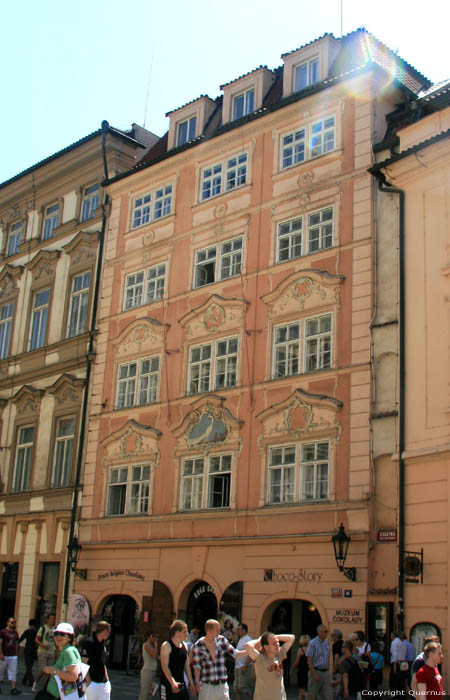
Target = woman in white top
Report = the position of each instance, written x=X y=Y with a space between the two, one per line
x=150 y=663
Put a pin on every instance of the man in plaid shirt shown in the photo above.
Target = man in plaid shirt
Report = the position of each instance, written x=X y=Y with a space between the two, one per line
x=209 y=663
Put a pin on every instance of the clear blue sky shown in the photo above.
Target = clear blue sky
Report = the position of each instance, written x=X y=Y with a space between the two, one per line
x=67 y=65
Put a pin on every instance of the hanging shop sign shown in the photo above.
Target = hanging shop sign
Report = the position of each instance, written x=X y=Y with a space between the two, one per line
x=296 y=576
x=387 y=535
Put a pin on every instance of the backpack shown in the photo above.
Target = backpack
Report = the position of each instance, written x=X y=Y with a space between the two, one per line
x=355 y=678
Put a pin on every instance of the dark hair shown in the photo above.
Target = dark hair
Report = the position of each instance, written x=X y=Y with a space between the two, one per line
x=102 y=625
x=177 y=626
x=432 y=646
x=265 y=639
x=50 y=615
x=348 y=645
x=32 y=622
x=244 y=626
x=360 y=635
x=375 y=646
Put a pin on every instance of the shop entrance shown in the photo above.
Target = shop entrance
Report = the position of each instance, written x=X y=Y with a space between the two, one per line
x=201 y=606
x=9 y=591
x=122 y=613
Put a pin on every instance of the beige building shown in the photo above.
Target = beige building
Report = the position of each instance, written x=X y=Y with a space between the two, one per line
x=52 y=226
x=412 y=346
x=229 y=433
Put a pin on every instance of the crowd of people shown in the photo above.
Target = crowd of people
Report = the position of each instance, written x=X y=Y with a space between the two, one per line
x=194 y=665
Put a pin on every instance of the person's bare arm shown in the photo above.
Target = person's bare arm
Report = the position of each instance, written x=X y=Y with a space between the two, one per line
x=70 y=674
x=165 y=655
x=253 y=648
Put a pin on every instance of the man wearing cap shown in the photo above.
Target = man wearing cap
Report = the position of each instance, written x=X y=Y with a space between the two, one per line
x=93 y=652
x=318 y=656
x=9 y=645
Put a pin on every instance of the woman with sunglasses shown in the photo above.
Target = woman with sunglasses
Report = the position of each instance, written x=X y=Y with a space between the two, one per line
x=66 y=667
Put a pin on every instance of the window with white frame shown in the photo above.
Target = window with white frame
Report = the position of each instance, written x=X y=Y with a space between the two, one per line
x=318 y=334
x=186 y=130
x=137 y=383
x=213 y=366
x=317 y=346
x=308 y=142
x=63 y=454
x=15 y=238
x=144 y=287
x=286 y=350
x=223 y=177
x=152 y=206
x=39 y=319
x=306 y=74
x=23 y=460
x=218 y=262
x=128 y=490
x=50 y=222
x=210 y=489
x=281 y=482
x=90 y=202
x=243 y=104
x=6 y=318
x=79 y=302
x=293 y=242
x=315 y=471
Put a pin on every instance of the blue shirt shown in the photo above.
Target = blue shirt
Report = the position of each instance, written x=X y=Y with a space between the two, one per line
x=377 y=660
x=319 y=652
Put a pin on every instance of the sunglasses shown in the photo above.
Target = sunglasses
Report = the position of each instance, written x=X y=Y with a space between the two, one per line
x=59 y=634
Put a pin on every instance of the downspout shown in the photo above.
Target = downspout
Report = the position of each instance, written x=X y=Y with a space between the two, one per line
x=90 y=355
x=385 y=186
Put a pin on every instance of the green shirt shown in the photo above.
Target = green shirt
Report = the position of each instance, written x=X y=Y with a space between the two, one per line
x=68 y=657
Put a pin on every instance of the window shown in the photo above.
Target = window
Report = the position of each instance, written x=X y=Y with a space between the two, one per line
x=285 y=472
x=186 y=131
x=315 y=458
x=62 y=460
x=296 y=147
x=213 y=365
x=211 y=491
x=286 y=351
x=39 y=316
x=229 y=264
x=317 y=346
x=243 y=104
x=223 y=177
x=134 y=286
x=6 y=315
x=24 y=456
x=142 y=206
x=51 y=218
x=306 y=74
x=319 y=235
x=318 y=343
x=128 y=490
x=79 y=299
x=90 y=202
x=15 y=238
x=137 y=383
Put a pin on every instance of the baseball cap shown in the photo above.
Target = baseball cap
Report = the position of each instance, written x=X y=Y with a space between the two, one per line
x=65 y=628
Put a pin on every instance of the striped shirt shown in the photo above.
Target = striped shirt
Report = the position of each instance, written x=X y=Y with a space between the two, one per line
x=212 y=670
x=319 y=652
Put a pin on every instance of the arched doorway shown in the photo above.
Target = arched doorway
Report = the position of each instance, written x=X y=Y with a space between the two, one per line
x=122 y=613
x=201 y=606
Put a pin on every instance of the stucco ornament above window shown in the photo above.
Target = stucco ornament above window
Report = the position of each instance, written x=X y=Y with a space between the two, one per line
x=208 y=424
x=141 y=335
x=132 y=440
x=67 y=389
x=303 y=292
x=216 y=315
x=28 y=401
x=300 y=415
x=8 y=281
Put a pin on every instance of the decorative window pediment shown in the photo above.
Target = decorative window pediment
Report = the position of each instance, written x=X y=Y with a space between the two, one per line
x=8 y=281
x=133 y=441
x=207 y=426
x=308 y=290
x=82 y=249
x=139 y=337
x=43 y=265
x=301 y=415
x=67 y=390
x=216 y=315
x=28 y=401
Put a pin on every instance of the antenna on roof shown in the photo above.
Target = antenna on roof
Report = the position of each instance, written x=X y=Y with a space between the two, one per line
x=148 y=90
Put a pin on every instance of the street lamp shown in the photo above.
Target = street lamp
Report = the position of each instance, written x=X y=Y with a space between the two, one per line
x=75 y=548
x=340 y=544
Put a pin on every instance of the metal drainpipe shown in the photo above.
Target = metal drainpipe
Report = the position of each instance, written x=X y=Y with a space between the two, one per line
x=89 y=361
x=384 y=186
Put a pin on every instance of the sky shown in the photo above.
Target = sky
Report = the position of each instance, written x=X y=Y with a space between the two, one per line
x=66 y=66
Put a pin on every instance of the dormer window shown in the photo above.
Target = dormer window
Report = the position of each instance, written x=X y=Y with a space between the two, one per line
x=305 y=74
x=186 y=131
x=243 y=104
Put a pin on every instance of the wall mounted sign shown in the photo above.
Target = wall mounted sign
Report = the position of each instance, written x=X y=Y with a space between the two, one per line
x=387 y=535
x=336 y=592
x=300 y=576
x=348 y=593
x=348 y=617
x=119 y=573
x=79 y=614
x=203 y=588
